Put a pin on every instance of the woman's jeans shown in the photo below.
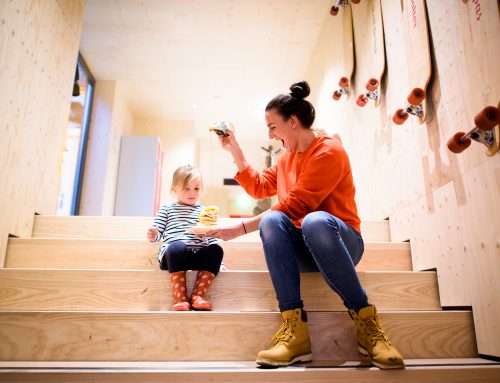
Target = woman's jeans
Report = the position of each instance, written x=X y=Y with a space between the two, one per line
x=325 y=244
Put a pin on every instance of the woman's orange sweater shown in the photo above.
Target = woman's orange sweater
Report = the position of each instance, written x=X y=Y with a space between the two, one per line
x=319 y=179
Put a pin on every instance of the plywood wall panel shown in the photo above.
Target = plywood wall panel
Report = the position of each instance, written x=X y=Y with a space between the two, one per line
x=438 y=200
x=479 y=227
x=38 y=54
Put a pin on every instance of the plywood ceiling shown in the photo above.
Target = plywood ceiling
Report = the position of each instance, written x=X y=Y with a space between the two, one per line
x=202 y=60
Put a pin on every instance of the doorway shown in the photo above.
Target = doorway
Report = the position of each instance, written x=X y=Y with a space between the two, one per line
x=75 y=144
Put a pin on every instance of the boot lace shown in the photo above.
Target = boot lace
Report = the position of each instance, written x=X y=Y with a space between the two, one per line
x=284 y=333
x=375 y=331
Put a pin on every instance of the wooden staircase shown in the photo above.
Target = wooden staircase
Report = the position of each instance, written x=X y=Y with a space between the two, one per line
x=83 y=301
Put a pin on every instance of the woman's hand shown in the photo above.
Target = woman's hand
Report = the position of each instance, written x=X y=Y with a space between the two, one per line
x=152 y=233
x=226 y=232
x=229 y=142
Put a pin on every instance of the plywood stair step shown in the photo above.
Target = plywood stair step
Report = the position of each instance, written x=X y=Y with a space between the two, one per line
x=47 y=289
x=468 y=370
x=68 y=253
x=47 y=226
x=188 y=336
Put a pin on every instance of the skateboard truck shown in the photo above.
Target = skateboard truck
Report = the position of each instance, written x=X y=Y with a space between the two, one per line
x=345 y=88
x=371 y=94
x=415 y=106
x=334 y=10
x=484 y=132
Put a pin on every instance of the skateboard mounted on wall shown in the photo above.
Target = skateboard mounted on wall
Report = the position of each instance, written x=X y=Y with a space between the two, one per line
x=334 y=10
x=485 y=132
x=418 y=59
x=342 y=38
x=370 y=50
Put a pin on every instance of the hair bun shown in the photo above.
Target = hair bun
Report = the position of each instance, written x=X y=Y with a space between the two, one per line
x=300 y=89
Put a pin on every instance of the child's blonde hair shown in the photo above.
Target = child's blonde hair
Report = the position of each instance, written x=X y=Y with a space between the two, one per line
x=183 y=175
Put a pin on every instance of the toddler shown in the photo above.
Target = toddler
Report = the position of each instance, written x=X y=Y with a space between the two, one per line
x=182 y=250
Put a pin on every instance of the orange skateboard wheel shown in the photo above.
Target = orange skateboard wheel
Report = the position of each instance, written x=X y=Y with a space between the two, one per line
x=488 y=118
x=456 y=145
x=372 y=84
x=334 y=10
x=362 y=100
x=355 y=1
x=400 y=117
x=344 y=82
x=416 y=96
x=336 y=95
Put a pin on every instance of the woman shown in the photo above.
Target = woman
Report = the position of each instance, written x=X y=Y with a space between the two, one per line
x=314 y=226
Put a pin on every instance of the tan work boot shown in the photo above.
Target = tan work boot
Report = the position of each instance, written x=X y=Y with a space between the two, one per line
x=372 y=340
x=291 y=344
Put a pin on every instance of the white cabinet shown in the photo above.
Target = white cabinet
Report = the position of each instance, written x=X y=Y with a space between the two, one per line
x=139 y=176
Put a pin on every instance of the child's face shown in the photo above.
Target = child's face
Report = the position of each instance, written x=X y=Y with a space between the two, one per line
x=191 y=193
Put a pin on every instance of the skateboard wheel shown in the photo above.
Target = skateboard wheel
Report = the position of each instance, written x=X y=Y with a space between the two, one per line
x=488 y=118
x=355 y=1
x=362 y=100
x=416 y=96
x=334 y=10
x=344 y=82
x=336 y=95
x=372 y=84
x=456 y=145
x=399 y=117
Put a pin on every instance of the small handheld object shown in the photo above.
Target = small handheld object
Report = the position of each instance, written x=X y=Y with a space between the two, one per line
x=221 y=127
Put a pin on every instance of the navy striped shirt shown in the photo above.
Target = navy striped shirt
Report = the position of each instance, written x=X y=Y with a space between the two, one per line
x=174 y=221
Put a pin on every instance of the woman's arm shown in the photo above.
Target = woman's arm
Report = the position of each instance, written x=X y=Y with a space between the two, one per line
x=230 y=144
x=237 y=229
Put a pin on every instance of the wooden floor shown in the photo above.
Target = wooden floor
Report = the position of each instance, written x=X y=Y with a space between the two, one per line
x=471 y=370
x=82 y=300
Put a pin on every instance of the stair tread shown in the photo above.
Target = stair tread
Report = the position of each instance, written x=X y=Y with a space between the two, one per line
x=416 y=371
x=239 y=365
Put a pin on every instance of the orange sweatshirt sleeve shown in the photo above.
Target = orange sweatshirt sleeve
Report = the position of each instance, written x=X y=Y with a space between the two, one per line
x=258 y=185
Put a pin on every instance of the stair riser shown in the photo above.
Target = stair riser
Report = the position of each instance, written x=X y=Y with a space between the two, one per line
x=136 y=227
x=244 y=291
x=141 y=255
x=217 y=336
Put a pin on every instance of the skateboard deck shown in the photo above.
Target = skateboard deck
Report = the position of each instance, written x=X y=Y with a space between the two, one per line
x=370 y=50
x=342 y=37
x=418 y=59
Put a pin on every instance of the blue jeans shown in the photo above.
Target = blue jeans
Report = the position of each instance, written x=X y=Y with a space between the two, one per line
x=325 y=244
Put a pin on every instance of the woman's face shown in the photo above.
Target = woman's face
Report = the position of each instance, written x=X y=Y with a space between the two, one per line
x=281 y=129
x=191 y=193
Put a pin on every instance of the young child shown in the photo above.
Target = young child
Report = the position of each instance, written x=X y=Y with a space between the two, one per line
x=182 y=250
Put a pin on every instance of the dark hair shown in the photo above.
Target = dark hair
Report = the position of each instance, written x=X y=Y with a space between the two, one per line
x=294 y=104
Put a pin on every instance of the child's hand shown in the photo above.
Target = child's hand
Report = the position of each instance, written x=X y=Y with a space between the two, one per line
x=152 y=233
